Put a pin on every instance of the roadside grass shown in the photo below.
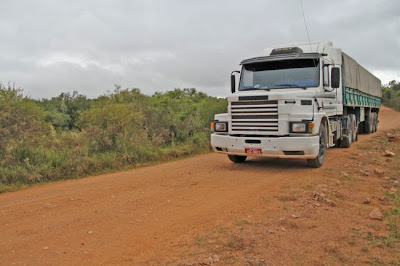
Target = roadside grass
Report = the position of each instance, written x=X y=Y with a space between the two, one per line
x=242 y=223
x=287 y=197
x=228 y=240
x=19 y=178
x=365 y=147
x=12 y=187
x=334 y=254
x=236 y=243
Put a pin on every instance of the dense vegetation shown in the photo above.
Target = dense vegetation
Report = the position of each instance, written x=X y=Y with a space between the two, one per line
x=391 y=95
x=71 y=136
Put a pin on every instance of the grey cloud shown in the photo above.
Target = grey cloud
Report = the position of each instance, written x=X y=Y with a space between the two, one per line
x=49 y=47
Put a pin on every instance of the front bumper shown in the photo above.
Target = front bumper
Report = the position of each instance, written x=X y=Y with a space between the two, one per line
x=278 y=147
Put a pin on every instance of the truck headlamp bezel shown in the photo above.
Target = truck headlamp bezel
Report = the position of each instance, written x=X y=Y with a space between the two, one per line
x=301 y=127
x=221 y=126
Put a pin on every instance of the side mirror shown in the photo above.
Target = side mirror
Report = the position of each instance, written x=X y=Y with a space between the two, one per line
x=335 y=77
x=233 y=81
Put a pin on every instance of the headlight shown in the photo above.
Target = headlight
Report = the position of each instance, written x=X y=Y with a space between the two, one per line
x=221 y=126
x=301 y=127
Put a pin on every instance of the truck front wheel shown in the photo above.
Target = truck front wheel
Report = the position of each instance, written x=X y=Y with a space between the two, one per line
x=237 y=158
x=319 y=160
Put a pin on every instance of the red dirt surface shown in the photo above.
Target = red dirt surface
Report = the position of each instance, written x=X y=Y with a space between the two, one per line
x=262 y=212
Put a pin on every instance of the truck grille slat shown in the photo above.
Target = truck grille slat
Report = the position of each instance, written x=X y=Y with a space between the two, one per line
x=258 y=115
x=254 y=110
x=263 y=130
x=263 y=107
x=269 y=103
x=247 y=116
x=258 y=123
x=255 y=128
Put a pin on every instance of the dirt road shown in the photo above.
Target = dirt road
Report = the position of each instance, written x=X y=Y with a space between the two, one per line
x=159 y=214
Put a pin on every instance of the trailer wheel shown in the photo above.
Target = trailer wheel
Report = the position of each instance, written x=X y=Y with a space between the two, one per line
x=368 y=124
x=348 y=139
x=319 y=160
x=237 y=158
x=375 y=122
x=361 y=128
x=355 y=127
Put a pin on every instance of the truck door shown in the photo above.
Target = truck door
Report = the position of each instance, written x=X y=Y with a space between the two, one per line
x=332 y=97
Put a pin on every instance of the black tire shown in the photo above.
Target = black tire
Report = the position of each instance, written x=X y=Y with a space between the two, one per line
x=319 y=160
x=237 y=158
x=368 y=124
x=346 y=142
x=361 y=127
x=348 y=139
x=337 y=143
x=355 y=127
x=375 y=122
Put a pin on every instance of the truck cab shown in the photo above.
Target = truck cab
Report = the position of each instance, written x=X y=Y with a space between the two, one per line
x=288 y=103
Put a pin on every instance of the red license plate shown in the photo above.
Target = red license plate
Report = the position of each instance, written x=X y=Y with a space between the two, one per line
x=252 y=151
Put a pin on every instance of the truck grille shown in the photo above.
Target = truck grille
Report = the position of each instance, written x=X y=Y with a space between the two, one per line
x=258 y=116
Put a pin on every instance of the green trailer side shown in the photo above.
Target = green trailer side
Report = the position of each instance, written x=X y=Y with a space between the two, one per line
x=356 y=98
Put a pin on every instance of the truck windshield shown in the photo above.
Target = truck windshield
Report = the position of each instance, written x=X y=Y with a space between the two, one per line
x=294 y=73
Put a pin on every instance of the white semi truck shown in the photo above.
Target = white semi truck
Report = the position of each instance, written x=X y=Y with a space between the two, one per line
x=295 y=101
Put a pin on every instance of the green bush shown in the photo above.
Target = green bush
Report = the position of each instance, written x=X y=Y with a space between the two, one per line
x=70 y=136
x=391 y=95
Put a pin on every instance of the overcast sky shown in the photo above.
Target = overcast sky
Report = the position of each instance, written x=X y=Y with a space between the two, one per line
x=53 y=46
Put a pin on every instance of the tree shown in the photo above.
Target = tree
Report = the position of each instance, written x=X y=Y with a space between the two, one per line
x=391 y=94
x=64 y=110
x=113 y=127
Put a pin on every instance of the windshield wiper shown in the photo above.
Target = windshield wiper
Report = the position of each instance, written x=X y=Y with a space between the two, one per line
x=290 y=86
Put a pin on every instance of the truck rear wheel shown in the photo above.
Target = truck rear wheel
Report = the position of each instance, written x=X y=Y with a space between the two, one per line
x=347 y=139
x=319 y=160
x=237 y=158
x=355 y=127
x=361 y=127
x=375 y=122
x=368 y=124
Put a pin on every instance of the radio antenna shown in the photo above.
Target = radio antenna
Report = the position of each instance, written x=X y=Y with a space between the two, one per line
x=305 y=23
